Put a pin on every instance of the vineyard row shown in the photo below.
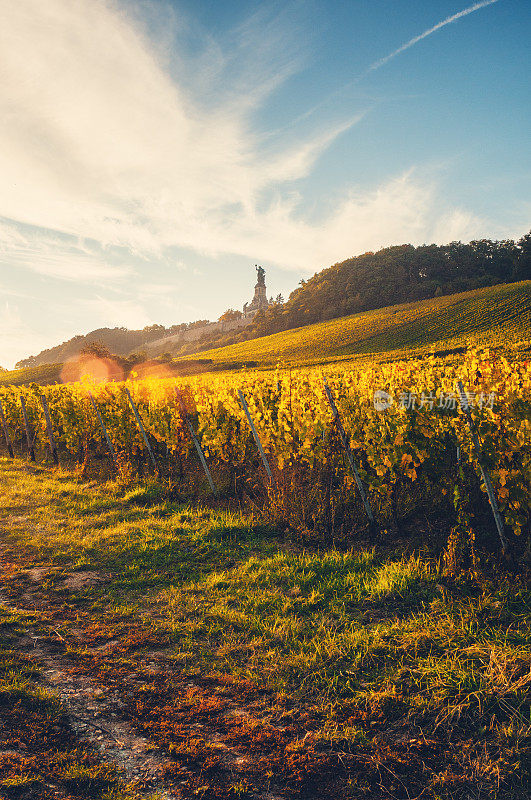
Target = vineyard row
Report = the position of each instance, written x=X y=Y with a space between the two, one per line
x=317 y=446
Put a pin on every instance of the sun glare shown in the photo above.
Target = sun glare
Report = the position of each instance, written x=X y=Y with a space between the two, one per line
x=153 y=369
x=98 y=369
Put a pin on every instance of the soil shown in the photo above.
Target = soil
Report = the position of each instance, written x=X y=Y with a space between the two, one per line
x=212 y=736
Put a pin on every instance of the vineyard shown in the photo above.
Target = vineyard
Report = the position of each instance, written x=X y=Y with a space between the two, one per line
x=281 y=453
x=494 y=316
x=286 y=584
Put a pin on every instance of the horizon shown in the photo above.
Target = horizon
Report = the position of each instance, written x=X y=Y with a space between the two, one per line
x=150 y=150
x=208 y=322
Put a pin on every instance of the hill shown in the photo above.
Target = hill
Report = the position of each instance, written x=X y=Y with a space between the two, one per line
x=494 y=316
x=491 y=316
x=120 y=341
x=392 y=275
x=399 y=274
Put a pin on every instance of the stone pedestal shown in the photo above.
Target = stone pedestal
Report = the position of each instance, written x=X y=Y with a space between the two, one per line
x=260 y=296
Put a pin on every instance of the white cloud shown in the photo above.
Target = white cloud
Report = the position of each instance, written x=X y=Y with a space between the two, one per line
x=105 y=137
x=108 y=312
x=14 y=331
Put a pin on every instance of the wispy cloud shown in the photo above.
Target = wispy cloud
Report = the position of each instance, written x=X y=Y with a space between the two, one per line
x=107 y=136
x=99 y=138
x=14 y=330
x=58 y=256
x=429 y=31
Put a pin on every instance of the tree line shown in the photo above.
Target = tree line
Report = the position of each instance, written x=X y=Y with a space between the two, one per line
x=399 y=274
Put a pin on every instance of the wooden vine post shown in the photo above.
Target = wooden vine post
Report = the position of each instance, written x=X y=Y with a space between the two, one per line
x=349 y=455
x=484 y=474
x=104 y=429
x=6 y=433
x=29 y=437
x=141 y=426
x=49 y=430
x=196 y=441
x=255 y=434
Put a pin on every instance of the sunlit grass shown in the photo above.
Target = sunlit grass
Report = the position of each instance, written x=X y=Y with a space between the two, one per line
x=359 y=635
x=496 y=315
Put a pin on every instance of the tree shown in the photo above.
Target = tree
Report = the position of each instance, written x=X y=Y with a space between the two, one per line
x=229 y=315
x=523 y=258
x=175 y=329
x=138 y=358
x=199 y=323
x=153 y=332
x=96 y=350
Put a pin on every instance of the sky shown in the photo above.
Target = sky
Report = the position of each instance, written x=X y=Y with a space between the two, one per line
x=153 y=151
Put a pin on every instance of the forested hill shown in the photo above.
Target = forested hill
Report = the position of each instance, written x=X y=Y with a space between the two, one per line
x=119 y=341
x=399 y=274
x=393 y=275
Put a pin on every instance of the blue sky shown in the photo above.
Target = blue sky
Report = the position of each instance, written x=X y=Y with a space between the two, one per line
x=152 y=152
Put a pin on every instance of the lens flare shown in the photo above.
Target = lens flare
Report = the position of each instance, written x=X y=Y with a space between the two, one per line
x=98 y=369
x=153 y=369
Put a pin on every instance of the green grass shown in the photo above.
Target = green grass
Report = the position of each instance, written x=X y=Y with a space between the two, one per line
x=497 y=315
x=370 y=640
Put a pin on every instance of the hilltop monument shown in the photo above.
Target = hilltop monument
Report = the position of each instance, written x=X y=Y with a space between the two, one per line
x=259 y=301
x=223 y=325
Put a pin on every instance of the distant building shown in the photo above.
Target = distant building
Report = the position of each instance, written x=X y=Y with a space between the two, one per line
x=259 y=301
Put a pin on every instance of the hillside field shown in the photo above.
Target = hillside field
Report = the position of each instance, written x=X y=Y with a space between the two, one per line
x=200 y=653
x=43 y=375
x=497 y=315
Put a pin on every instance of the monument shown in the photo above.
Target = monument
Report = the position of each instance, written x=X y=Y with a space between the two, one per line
x=259 y=301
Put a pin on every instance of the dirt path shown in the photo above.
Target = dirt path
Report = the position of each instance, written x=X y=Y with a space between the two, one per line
x=95 y=718
x=99 y=714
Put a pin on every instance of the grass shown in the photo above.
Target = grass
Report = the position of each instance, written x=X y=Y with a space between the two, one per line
x=497 y=315
x=367 y=659
x=40 y=755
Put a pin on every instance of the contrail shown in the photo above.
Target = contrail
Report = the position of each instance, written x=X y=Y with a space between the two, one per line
x=406 y=46
x=447 y=21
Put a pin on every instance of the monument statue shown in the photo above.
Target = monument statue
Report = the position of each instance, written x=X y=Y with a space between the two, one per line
x=261 y=275
x=259 y=301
